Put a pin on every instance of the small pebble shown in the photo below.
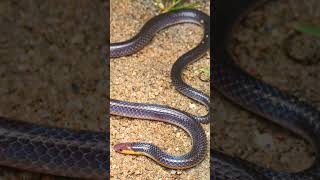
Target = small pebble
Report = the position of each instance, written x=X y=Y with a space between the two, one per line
x=178 y=135
x=192 y=105
x=264 y=140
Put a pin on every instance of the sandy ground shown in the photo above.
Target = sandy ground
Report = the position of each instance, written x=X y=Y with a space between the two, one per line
x=259 y=44
x=145 y=77
x=51 y=66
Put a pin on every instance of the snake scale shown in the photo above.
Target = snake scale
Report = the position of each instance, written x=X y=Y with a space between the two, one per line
x=258 y=97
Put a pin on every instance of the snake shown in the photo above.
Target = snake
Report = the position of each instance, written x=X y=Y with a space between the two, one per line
x=85 y=154
x=55 y=151
x=260 y=98
x=188 y=122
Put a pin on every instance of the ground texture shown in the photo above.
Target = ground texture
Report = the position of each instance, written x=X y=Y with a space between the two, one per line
x=145 y=77
x=259 y=45
x=51 y=66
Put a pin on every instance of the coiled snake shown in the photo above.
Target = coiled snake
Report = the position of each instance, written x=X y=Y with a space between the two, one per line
x=188 y=122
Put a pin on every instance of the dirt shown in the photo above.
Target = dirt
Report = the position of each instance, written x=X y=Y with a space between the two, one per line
x=51 y=66
x=145 y=77
x=260 y=44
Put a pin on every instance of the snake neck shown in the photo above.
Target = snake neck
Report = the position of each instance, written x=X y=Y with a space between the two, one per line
x=173 y=162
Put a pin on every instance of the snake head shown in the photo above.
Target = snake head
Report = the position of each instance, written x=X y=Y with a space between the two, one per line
x=126 y=148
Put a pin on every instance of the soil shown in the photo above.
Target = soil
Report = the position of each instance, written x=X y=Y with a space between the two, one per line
x=145 y=77
x=260 y=45
x=51 y=66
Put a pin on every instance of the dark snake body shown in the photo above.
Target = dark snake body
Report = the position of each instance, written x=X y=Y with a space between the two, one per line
x=55 y=151
x=190 y=123
x=260 y=98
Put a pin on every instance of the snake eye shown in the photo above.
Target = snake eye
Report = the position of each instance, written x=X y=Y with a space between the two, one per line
x=121 y=147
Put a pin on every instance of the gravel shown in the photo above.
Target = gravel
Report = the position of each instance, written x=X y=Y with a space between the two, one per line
x=145 y=77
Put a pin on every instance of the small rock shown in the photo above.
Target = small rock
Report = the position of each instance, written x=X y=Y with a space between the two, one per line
x=192 y=106
x=264 y=140
x=178 y=134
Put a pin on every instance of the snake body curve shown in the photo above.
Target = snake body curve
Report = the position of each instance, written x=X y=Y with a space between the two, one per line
x=260 y=98
x=190 y=123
